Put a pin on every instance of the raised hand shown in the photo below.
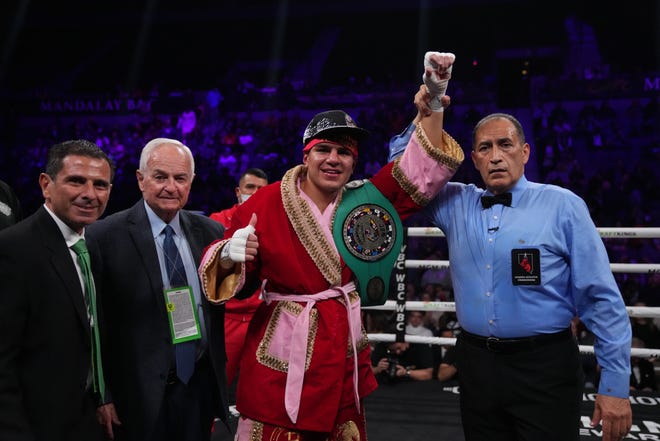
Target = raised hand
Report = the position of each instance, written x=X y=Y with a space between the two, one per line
x=437 y=72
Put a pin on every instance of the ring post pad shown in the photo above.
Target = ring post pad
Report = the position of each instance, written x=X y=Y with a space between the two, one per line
x=368 y=234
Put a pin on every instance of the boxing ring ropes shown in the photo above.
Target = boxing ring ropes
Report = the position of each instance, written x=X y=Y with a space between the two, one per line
x=401 y=305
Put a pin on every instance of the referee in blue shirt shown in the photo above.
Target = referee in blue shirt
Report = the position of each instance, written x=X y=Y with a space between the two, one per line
x=526 y=258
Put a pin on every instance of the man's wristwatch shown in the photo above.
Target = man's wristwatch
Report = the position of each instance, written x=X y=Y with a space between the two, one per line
x=224 y=253
x=407 y=372
x=225 y=260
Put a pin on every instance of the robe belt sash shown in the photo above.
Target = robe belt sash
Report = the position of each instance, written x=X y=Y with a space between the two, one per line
x=298 y=350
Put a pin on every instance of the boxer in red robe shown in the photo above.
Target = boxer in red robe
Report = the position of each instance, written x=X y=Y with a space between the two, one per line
x=305 y=367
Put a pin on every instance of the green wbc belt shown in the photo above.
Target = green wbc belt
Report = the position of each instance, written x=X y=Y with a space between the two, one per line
x=368 y=234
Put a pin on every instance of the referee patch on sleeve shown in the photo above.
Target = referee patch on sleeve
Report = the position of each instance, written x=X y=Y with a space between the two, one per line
x=526 y=266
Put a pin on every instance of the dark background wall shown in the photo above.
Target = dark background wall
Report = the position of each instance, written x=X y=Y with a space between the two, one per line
x=297 y=57
x=75 y=45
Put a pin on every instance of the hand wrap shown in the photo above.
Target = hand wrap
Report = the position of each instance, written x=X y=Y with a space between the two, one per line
x=436 y=84
x=234 y=250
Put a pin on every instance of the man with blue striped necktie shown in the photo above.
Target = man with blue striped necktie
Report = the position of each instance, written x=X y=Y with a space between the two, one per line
x=164 y=348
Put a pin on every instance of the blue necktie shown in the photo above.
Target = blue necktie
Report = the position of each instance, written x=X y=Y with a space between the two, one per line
x=90 y=302
x=185 y=351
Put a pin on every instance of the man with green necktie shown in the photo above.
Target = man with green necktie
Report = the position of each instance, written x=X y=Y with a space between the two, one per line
x=51 y=381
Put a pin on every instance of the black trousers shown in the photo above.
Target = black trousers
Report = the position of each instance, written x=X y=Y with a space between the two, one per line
x=86 y=428
x=528 y=395
x=187 y=410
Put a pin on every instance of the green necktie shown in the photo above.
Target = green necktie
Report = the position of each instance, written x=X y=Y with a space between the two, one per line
x=90 y=301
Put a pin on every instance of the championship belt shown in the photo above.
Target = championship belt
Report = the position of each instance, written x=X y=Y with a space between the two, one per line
x=368 y=234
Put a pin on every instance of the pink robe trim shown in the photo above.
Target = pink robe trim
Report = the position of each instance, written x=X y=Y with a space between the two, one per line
x=422 y=170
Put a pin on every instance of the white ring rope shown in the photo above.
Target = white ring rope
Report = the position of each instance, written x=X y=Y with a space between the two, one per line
x=416 y=305
x=638 y=268
x=610 y=233
x=616 y=233
x=389 y=338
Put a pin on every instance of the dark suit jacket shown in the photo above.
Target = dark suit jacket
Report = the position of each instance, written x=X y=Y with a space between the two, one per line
x=646 y=376
x=11 y=206
x=137 y=346
x=45 y=345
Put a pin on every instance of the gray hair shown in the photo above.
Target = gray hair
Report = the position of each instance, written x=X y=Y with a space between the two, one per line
x=516 y=124
x=155 y=143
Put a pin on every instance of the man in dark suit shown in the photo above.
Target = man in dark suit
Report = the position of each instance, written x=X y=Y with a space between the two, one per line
x=10 y=206
x=47 y=387
x=152 y=400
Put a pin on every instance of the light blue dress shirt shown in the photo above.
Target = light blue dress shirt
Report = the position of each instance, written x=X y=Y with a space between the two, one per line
x=575 y=276
x=157 y=225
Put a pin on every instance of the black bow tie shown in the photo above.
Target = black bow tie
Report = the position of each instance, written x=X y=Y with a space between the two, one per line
x=489 y=201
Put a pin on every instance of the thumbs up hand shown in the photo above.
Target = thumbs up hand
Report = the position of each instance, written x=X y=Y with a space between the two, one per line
x=243 y=245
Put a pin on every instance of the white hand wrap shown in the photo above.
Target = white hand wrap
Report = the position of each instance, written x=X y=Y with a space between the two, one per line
x=435 y=84
x=235 y=249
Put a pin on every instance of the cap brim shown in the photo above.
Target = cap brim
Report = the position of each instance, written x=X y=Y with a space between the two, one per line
x=358 y=133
